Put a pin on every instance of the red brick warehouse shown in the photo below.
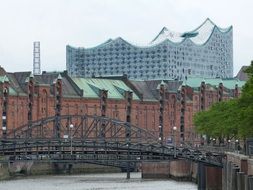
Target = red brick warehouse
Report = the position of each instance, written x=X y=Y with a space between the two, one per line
x=26 y=97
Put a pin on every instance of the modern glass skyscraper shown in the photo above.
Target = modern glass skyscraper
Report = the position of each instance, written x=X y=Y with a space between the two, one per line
x=206 y=52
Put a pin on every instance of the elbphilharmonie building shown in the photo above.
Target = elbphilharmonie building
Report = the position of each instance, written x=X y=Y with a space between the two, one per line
x=206 y=51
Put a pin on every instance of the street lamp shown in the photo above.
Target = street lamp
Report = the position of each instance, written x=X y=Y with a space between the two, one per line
x=229 y=141
x=214 y=141
x=71 y=126
x=174 y=139
x=237 y=145
x=160 y=134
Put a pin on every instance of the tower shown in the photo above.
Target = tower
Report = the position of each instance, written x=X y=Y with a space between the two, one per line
x=36 y=58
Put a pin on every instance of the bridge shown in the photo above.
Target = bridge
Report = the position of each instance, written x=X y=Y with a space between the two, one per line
x=93 y=139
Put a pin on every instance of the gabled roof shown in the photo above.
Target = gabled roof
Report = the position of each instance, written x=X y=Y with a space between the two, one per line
x=18 y=83
x=91 y=87
x=145 y=90
x=241 y=75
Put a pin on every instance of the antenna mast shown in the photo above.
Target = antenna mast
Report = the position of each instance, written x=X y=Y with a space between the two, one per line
x=36 y=58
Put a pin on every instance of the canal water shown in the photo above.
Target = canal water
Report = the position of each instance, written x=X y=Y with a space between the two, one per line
x=115 y=181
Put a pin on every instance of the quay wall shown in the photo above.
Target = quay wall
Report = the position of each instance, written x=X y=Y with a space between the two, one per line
x=12 y=169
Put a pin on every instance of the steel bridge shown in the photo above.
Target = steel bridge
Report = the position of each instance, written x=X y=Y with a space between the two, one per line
x=93 y=139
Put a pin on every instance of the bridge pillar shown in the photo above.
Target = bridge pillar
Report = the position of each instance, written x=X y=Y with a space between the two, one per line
x=250 y=183
x=224 y=175
x=240 y=181
x=209 y=177
x=234 y=171
x=181 y=170
x=201 y=176
x=155 y=170
x=213 y=178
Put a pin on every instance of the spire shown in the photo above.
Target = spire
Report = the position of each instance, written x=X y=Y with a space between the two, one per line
x=59 y=77
x=162 y=83
x=6 y=79
x=184 y=83
x=31 y=75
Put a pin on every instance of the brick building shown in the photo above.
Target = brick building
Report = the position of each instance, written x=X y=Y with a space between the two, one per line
x=26 y=98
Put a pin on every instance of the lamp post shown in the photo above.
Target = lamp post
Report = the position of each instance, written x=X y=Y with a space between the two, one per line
x=71 y=126
x=160 y=135
x=4 y=130
x=229 y=141
x=236 y=145
x=174 y=139
x=214 y=141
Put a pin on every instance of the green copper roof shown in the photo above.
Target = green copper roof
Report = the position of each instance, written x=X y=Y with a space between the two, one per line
x=91 y=87
x=231 y=83
x=4 y=79
x=227 y=83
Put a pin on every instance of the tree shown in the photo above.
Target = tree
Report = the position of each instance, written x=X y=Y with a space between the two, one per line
x=246 y=105
x=219 y=121
x=232 y=118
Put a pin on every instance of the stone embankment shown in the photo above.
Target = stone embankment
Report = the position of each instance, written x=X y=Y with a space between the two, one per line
x=23 y=168
x=206 y=177
x=237 y=172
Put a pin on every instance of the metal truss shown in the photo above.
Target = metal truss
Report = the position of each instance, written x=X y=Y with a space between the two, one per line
x=80 y=141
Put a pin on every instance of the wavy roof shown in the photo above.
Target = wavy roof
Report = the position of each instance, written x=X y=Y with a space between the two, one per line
x=198 y=36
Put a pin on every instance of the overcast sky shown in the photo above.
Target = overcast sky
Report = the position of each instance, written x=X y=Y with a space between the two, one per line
x=87 y=23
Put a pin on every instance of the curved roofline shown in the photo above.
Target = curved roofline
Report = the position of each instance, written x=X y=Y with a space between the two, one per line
x=222 y=30
x=210 y=36
x=109 y=41
x=100 y=45
x=164 y=28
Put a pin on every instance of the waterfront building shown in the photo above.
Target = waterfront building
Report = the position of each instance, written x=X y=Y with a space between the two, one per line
x=25 y=96
x=206 y=51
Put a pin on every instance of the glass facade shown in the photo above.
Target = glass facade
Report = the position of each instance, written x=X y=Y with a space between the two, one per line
x=204 y=52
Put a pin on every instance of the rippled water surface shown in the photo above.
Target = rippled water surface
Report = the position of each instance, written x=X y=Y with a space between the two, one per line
x=115 y=181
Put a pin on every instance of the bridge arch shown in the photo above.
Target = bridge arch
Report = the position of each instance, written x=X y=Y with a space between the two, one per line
x=94 y=139
x=87 y=127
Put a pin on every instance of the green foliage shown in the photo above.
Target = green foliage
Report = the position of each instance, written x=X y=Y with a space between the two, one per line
x=229 y=118
x=219 y=121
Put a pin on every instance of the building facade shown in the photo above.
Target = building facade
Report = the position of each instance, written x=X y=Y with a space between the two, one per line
x=25 y=98
x=206 y=52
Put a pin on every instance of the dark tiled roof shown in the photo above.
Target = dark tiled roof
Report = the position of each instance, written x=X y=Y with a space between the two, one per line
x=173 y=86
x=149 y=88
x=143 y=89
x=50 y=78
x=241 y=75
x=21 y=78
x=18 y=82
x=14 y=83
